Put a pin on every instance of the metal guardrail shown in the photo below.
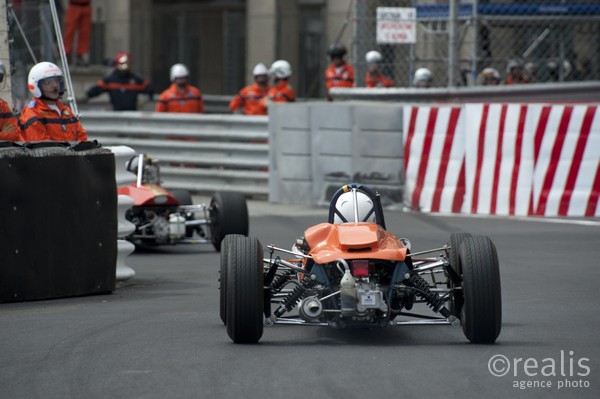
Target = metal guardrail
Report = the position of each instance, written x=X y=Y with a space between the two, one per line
x=199 y=153
x=534 y=93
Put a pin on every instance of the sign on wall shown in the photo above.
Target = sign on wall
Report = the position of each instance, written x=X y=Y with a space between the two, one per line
x=396 y=25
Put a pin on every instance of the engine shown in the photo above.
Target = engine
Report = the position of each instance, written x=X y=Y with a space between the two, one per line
x=159 y=226
x=361 y=299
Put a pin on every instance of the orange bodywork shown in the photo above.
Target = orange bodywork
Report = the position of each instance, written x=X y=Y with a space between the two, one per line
x=329 y=242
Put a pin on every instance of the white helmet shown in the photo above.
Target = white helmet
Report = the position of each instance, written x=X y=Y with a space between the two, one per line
x=373 y=57
x=281 y=69
x=423 y=77
x=42 y=71
x=260 y=69
x=179 y=71
x=345 y=205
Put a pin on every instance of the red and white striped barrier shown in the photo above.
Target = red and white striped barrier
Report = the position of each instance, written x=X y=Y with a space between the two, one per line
x=503 y=159
x=434 y=154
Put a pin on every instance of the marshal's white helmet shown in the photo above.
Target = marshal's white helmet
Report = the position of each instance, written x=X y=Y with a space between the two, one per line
x=42 y=71
x=281 y=69
x=373 y=57
x=260 y=69
x=423 y=77
x=179 y=71
x=345 y=204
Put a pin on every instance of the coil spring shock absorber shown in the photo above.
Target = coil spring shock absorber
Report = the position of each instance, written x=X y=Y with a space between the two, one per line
x=280 y=281
x=294 y=297
x=431 y=298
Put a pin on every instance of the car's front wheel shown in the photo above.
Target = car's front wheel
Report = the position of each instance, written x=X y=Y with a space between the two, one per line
x=245 y=291
x=481 y=314
x=457 y=298
x=226 y=244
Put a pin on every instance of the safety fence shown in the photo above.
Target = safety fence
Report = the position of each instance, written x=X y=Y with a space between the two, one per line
x=550 y=40
x=200 y=153
x=503 y=159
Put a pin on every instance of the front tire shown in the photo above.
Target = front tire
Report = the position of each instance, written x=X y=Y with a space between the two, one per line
x=481 y=314
x=229 y=215
x=226 y=244
x=457 y=300
x=245 y=291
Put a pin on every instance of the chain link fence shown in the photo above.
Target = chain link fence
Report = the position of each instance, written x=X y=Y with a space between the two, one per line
x=32 y=39
x=541 y=41
x=555 y=40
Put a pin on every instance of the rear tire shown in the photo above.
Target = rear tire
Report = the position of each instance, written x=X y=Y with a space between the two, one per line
x=245 y=291
x=482 y=310
x=226 y=244
x=183 y=196
x=229 y=215
x=457 y=300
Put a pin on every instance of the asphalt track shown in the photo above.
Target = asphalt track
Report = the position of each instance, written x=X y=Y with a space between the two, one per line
x=159 y=335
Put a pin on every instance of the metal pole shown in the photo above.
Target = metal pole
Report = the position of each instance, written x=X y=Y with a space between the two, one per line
x=31 y=53
x=452 y=59
x=63 y=59
x=475 y=27
x=6 y=85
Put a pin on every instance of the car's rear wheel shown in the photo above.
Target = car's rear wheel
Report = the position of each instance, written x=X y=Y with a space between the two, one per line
x=226 y=244
x=245 y=292
x=229 y=215
x=183 y=196
x=457 y=298
x=482 y=310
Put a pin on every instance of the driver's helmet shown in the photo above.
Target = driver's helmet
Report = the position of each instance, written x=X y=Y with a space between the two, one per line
x=346 y=206
x=151 y=171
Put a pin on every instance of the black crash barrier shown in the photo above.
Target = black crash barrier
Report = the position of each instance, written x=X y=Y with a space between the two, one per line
x=58 y=221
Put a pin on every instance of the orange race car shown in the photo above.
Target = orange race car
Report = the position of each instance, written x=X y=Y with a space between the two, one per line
x=352 y=272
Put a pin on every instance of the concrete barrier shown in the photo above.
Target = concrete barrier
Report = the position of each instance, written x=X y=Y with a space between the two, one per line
x=318 y=146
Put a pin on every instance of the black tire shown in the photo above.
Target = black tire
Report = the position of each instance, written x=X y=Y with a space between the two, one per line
x=482 y=311
x=183 y=196
x=453 y=256
x=245 y=279
x=229 y=215
x=226 y=244
x=457 y=299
